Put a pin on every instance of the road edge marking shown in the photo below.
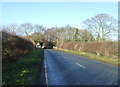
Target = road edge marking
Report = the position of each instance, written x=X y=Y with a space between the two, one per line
x=46 y=78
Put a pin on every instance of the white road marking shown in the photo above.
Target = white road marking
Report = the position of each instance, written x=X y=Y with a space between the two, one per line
x=80 y=65
x=46 y=72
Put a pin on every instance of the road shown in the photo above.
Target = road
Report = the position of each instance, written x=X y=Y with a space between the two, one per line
x=66 y=69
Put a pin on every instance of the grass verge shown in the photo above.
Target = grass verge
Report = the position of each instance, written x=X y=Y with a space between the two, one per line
x=108 y=60
x=23 y=71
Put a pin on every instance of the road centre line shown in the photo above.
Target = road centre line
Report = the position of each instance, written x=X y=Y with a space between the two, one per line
x=80 y=65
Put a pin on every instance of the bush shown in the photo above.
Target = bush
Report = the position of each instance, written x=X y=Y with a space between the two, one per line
x=14 y=46
x=106 y=48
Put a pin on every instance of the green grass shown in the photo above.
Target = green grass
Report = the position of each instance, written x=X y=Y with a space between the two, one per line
x=108 y=60
x=24 y=70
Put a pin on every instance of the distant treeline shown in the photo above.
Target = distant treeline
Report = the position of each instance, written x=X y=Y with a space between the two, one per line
x=97 y=35
x=101 y=27
x=14 y=46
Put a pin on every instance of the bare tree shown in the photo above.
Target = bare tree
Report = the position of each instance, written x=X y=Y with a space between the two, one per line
x=39 y=28
x=12 y=28
x=101 y=25
x=67 y=34
x=26 y=29
x=55 y=35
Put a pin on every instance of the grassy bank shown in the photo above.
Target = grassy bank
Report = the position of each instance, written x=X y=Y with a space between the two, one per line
x=108 y=60
x=23 y=71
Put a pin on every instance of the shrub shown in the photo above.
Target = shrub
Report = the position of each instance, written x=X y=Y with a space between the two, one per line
x=106 y=48
x=14 y=46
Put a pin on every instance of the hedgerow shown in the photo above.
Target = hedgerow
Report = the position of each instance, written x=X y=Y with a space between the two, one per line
x=14 y=46
x=106 y=48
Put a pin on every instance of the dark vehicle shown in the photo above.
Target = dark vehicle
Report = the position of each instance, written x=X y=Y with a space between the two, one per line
x=48 y=47
x=41 y=44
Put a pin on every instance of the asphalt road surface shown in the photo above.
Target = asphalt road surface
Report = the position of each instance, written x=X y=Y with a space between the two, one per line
x=66 y=69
